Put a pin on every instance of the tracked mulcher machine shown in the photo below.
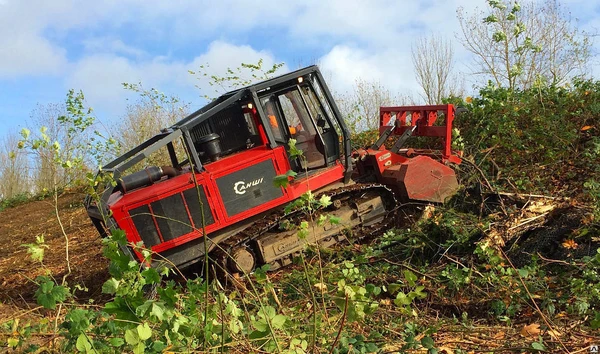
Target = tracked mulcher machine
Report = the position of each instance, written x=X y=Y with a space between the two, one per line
x=215 y=191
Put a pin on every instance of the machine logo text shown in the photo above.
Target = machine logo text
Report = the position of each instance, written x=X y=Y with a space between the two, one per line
x=240 y=187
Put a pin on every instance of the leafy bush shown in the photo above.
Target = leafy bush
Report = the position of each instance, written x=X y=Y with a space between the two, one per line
x=18 y=199
x=539 y=140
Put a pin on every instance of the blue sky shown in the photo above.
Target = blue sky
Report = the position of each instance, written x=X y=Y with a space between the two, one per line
x=49 y=47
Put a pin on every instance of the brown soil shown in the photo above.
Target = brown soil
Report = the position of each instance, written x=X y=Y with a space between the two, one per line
x=20 y=225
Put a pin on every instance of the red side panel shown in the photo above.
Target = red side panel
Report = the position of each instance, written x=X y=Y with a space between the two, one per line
x=168 y=214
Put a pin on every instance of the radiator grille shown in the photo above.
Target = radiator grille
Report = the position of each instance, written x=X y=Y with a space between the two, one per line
x=168 y=218
x=229 y=124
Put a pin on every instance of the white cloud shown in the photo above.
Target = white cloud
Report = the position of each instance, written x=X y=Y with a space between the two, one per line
x=221 y=56
x=392 y=68
x=28 y=54
x=111 y=45
x=26 y=48
x=101 y=76
x=370 y=39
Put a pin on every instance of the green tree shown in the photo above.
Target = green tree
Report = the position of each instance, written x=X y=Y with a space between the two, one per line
x=519 y=46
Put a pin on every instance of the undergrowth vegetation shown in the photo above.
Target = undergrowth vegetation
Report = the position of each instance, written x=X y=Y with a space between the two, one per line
x=400 y=292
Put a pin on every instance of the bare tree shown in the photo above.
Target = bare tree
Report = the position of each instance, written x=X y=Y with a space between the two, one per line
x=520 y=45
x=360 y=108
x=433 y=59
x=145 y=118
x=14 y=166
x=46 y=172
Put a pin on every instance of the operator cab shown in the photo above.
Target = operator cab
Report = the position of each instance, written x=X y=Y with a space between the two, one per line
x=296 y=109
x=296 y=113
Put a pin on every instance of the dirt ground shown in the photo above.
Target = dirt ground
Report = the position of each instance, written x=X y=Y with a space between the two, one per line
x=20 y=225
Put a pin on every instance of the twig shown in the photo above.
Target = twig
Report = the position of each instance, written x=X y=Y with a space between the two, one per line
x=581 y=350
x=64 y=233
x=533 y=300
x=337 y=337
x=502 y=206
x=514 y=349
x=558 y=261
x=409 y=268
x=524 y=195
x=462 y=265
x=527 y=221
x=276 y=298
x=21 y=314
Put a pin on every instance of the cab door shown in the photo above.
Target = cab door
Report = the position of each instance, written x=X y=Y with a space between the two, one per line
x=296 y=113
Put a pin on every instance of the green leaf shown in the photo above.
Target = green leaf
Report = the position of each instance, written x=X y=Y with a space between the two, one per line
x=144 y=331
x=168 y=295
x=158 y=311
x=410 y=277
x=490 y=19
x=538 y=346
x=258 y=334
x=499 y=37
x=293 y=150
x=321 y=220
x=278 y=321
x=325 y=201
x=140 y=348
x=392 y=288
x=267 y=312
x=595 y=323
x=119 y=237
x=302 y=234
x=146 y=253
x=261 y=326
x=121 y=309
x=131 y=337
x=164 y=271
x=79 y=320
x=304 y=344
x=83 y=344
x=143 y=308
x=158 y=346
x=110 y=286
x=427 y=342
x=402 y=299
x=151 y=276
x=116 y=342
x=304 y=225
x=334 y=220
x=418 y=293
x=12 y=342
x=284 y=180
x=281 y=181
x=49 y=294
x=36 y=252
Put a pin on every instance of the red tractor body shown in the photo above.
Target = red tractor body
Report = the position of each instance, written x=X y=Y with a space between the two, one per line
x=221 y=161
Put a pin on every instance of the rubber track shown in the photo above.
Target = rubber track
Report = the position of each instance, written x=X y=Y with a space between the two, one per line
x=272 y=220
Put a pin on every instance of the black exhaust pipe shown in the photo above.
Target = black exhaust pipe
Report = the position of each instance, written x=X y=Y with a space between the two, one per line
x=145 y=177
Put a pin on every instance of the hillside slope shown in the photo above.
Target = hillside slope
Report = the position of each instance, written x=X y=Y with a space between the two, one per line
x=20 y=225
